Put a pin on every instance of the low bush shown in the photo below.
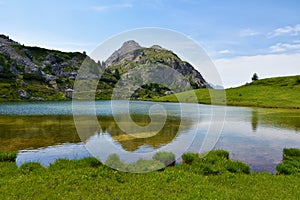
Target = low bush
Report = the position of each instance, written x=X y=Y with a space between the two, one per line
x=290 y=162
x=167 y=158
x=237 y=167
x=219 y=153
x=140 y=166
x=27 y=168
x=92 y=162
x=115 y=162
x=208 y=169
x=287 y=152
x=213 y=163
x=64 y=164
x=284 y=169
x=8 y=156
x=29 y=76
x=189 y=158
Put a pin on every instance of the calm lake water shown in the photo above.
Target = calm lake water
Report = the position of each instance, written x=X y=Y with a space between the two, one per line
x=45 y=131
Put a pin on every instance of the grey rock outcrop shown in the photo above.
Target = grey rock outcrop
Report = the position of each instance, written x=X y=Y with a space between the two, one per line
x=123 y=53
x=132 y=54
x=23 y=94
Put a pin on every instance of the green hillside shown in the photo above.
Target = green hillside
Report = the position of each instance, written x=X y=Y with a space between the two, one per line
x=278 y=92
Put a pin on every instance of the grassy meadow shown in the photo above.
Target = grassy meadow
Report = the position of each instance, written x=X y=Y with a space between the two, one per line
x=211 y=177
x=278 y=92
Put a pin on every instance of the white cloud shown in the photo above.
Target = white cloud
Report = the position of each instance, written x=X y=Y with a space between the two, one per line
x=99 y=8
x=283 y=47
x=239 y=70
x=225 y=51
x=109 y=7
x=248 y=32
x=287 y=30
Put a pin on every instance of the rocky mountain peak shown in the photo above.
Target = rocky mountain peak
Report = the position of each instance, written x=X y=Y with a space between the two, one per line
x=157 y=47
x=127 y=47
x=132 y=54
x=6 y=40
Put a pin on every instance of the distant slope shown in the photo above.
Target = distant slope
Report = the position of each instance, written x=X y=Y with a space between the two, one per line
x=278 y=92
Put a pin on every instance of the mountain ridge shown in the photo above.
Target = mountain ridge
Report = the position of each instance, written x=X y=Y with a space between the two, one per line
x=34 y=73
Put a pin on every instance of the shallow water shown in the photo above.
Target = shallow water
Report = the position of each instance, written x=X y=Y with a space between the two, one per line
x=45 y=131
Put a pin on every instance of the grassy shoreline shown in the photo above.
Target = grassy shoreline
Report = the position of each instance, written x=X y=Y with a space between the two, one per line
x=207 y=178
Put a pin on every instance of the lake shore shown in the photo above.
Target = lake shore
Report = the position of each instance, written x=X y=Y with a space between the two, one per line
x=207 y=177
x=277 y=92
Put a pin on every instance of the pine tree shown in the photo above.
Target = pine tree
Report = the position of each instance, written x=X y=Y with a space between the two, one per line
x=254 y=77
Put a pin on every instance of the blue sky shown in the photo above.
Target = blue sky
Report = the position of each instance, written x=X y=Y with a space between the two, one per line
x=241 y=38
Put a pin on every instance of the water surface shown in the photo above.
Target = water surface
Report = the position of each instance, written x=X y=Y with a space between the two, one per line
x=45 y=131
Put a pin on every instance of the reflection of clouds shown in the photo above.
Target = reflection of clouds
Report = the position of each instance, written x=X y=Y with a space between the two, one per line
x=173 y=127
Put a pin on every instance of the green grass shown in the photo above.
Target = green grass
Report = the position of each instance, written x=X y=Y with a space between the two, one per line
x=279 y=92
x=8 y=156
x=214 y=163
x=290 y=162
x=89 y=179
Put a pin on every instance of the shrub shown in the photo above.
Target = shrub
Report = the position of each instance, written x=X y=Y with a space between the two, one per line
x=93 y=162
x=284 y=169
x=167 y=158
x=142 y=166
x=237 y=167
x=290 y=163
x=30 y=167
x=115 y=162
x=291 y=152
x=8 y=156
x=139 y=166
x=63 y=164
x=29 y=76
x=189 y=158
x=208 y=169
x=8 y=75
x=219 y=153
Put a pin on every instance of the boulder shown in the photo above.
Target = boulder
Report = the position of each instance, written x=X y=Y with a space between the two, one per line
x=23 y=94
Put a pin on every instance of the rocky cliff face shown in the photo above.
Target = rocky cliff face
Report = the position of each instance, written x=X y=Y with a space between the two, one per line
x=33 y=73
x=126 y=52
x=131 y=54
x=49 y=64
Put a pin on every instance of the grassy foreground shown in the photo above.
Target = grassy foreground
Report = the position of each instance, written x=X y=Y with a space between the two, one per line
x=279 y=92
x=211 y=177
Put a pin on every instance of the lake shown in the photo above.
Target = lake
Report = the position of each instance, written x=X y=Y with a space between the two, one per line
x=45 y=131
